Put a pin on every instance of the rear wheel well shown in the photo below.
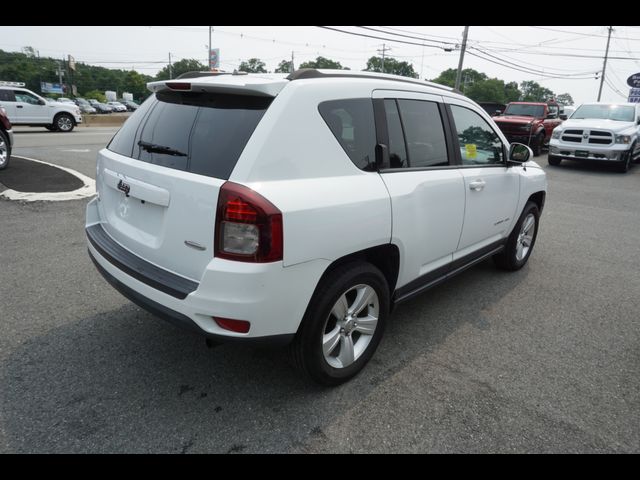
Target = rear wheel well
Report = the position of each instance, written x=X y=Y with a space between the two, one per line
x=538 y=198
x=385 y=257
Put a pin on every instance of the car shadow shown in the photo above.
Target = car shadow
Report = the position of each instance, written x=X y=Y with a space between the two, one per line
x=124 y=381
x=588 y=166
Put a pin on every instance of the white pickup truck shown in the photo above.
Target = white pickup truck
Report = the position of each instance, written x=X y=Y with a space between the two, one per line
x=24 y=107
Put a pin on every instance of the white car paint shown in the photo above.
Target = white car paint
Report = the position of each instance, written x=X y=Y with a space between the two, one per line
x=330 y=208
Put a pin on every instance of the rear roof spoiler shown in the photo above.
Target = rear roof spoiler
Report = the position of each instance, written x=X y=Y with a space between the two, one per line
x=226 y=83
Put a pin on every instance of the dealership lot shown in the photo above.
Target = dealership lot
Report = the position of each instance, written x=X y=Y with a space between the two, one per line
x=542 y=360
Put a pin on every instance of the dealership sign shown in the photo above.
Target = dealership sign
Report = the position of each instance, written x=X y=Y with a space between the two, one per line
x=634 y=95
x=634 y=80
x=51 y=87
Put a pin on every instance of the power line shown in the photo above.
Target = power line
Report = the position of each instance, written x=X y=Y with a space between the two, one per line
x=584 y=34
x=379 y=38
x=407 y=36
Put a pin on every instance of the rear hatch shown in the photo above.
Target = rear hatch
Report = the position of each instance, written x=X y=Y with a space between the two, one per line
x=158 y=179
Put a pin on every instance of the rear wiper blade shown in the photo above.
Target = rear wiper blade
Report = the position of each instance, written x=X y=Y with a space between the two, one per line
x=153 y=148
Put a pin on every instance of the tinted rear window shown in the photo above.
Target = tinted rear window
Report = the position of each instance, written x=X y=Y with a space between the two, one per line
x=351 y=121
x=211 y=130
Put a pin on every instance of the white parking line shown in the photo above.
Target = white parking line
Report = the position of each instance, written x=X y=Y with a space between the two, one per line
x=87 y=190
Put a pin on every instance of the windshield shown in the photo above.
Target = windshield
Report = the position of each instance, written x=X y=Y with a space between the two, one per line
x=525 y=110
x=620 y=113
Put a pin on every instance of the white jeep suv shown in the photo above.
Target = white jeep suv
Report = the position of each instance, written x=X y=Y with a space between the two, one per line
x=27 y=108
x=300 y=209
x=599 y=131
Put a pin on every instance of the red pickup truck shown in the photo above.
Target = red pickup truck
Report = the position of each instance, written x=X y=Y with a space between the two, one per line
x=530 y=123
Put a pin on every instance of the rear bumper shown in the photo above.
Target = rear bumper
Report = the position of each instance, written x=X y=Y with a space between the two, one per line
x=268 y=295
x=612 y=153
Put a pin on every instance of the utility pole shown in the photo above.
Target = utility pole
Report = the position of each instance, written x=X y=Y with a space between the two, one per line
x=291 y=66
x=170 y=67
x=464 y=47
x=383 y=51
x=604 y=67
x=209 y=52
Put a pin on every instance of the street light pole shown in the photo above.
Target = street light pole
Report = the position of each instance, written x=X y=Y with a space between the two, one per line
x=209 y=52
x=464 y=47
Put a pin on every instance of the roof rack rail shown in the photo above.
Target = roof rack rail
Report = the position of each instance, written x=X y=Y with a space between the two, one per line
x=12 y=84
x=305 y=73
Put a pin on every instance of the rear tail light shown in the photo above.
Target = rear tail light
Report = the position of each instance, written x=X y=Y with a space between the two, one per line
x=248 y=226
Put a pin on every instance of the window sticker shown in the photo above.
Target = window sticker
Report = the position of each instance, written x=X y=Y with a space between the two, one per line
x=471 y=149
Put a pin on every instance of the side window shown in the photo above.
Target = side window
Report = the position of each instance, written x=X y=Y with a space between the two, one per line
x=25 y=97
x=351 y=122
x=424 y=133
x=397 y=147
x=479 y=144
x=7 y=96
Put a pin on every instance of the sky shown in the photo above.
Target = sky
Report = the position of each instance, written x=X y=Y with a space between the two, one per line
x=559 y=58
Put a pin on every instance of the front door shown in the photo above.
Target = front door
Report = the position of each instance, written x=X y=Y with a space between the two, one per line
x=29 y=109
x=491 y=189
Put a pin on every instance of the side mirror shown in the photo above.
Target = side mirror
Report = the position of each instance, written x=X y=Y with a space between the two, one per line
x=498 y=112
x=563 y=116
x=519 y=153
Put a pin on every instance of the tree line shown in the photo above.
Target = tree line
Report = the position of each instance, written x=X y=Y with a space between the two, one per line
x=92 y=81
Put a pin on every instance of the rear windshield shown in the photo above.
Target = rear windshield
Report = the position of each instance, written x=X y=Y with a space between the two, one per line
x=201 y=133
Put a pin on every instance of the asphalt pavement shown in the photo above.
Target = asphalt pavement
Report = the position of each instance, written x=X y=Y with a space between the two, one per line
x=545 y=359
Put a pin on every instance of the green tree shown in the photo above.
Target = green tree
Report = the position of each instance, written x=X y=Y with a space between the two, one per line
x=182 y=66
x=322 y=62
x=534 y=92
x=284 y=66
x=448 y=77
x=253 y=65
x=391 y=65
x=564 y=99
x=136 y=84
x=511 y=92
x=98 y=95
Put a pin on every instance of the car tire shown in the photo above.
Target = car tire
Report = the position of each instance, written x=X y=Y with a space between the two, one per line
x=553 y=160
x=333 y=342
x=625 y=165
x=64 y=122
x=521 y=241
x=537 y=144
x=5 y=150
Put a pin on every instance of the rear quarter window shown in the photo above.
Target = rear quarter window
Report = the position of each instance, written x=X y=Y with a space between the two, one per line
x=209 y=130
x=351 y=122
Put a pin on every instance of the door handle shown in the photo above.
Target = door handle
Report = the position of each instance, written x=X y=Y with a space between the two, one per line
x=18 y=106
x=477 y=185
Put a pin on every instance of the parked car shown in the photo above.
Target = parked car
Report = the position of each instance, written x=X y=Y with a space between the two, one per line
x=65 y=100
x=568 y=111
x=300 y=209
x=24 y=107
x=130 y=104
x=117 y=106
x=530 y=123
x=100 y=107
x=6 y=139
x=85 y=107
x=608 y=132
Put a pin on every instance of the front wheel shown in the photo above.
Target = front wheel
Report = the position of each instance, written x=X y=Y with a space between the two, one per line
x=521 y=241
x=537 y=144
x=343 y=324
x=553 y=160
x=625 y=165
x=5 y=150
x=64 y=122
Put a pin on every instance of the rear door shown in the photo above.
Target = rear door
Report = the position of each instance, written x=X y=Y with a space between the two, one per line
x=427 y=191
x=158 y=180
